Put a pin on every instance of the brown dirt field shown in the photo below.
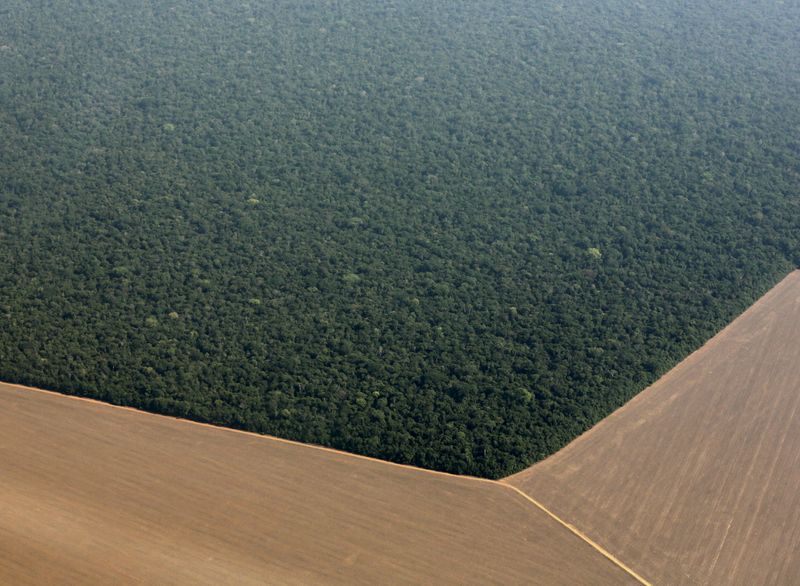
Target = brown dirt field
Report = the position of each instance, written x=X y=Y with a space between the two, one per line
x=93 y=494
x=697 y=479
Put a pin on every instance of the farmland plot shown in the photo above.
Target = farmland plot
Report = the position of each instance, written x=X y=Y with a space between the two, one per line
x=695 y=481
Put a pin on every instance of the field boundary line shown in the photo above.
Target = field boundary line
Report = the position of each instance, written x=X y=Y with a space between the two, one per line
x=575 y=531
x=252 y=434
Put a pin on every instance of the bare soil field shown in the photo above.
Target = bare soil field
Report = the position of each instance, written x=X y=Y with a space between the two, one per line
x=697 y=479
x=94 y=494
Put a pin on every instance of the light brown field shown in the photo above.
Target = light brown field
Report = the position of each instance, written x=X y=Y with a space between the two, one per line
x=93 y=494
x=697 y=479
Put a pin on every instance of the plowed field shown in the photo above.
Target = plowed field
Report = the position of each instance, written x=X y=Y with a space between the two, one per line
x=93 y=494
x=697 y=480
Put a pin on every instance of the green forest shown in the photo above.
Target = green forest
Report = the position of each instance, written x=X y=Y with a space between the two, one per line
x=453 y=234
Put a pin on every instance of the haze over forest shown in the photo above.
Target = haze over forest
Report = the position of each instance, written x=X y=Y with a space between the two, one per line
x=449 y=234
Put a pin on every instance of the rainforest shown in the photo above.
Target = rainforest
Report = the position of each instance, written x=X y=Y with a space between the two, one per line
x=453 y=234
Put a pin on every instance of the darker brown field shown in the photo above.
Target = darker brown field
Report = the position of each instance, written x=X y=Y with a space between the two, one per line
x=697 y=480
x=93 y=494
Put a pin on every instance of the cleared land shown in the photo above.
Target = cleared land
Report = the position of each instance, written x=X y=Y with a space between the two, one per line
x=91 y=493
x=697 y=480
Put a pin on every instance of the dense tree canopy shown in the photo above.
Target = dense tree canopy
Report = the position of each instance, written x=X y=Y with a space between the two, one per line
x=447 y=233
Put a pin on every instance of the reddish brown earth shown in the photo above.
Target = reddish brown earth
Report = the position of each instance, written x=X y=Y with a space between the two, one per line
x=93 y=494
x=697 y=479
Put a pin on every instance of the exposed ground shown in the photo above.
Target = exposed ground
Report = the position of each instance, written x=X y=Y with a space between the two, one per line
x=93 y=494
x=697 y=480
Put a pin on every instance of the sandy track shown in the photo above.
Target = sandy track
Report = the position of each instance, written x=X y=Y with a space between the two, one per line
x=697 y=479
x=92 y=494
